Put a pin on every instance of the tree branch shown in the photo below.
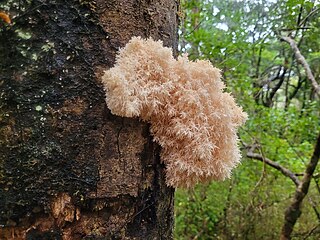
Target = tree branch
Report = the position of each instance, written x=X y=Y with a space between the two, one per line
x=300 y=59
x=276 y=87
x=286 y=172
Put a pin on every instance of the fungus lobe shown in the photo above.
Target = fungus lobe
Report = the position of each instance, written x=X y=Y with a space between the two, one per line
x=192 y=118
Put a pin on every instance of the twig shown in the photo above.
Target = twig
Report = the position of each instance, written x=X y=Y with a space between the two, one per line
x=311 y=231
x=263 y=173
x=309 y=15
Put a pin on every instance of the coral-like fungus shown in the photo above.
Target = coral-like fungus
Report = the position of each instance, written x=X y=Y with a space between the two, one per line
x=191 y=116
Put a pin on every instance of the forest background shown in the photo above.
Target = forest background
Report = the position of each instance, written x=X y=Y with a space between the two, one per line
x=250 y=42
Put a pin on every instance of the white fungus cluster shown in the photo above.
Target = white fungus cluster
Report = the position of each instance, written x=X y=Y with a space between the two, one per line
x=191 y=116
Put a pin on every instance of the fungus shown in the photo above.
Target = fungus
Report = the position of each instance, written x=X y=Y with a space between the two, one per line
x=191 y=117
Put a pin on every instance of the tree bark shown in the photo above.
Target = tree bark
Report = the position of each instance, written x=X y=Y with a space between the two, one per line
x=69 y=169
x=300 y=59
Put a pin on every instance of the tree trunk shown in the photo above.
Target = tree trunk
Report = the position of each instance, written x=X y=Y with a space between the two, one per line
x=68 y=168
x=293 y=212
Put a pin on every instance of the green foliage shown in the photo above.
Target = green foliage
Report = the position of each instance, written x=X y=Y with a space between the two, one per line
x=242 y=39
x=197 y=210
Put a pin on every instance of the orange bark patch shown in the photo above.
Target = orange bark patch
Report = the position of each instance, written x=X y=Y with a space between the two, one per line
x=63 y=210
x=74 y=106
x=5 y=17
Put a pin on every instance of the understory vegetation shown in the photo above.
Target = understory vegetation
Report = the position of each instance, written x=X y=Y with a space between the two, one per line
x=269 y=52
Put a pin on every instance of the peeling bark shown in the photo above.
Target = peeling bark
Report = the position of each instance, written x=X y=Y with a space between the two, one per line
x=69 y=169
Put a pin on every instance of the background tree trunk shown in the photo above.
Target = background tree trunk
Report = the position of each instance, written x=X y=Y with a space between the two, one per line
x=68 y=168
x=293 y=211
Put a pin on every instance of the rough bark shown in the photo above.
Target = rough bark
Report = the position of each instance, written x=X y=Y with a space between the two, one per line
x=68 y=168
